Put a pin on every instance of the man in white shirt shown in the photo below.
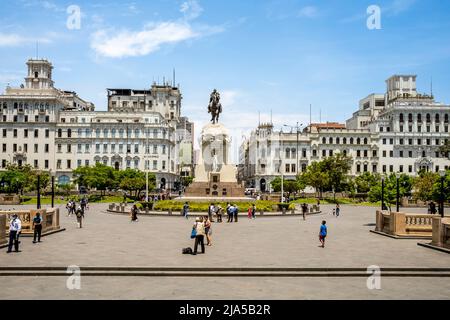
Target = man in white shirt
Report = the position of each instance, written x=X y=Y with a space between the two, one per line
x=15 y=227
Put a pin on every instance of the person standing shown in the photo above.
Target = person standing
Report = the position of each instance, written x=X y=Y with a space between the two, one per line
x=15 y=227
x=200 y=235
x=208 y=231
x=134 y=213
x=235 y=212
x=219 y=213
x=304 y=210
x=338 y=210
x=323 y=233
x=253 y=211
x=211 y=210
x=37 y=226
x=186 y=210
x=230 y=212
x=249 y=212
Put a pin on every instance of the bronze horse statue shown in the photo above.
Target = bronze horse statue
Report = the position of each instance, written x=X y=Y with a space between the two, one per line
x=214 y=107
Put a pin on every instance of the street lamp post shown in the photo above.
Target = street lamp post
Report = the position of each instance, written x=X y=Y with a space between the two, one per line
x=38 y=203
x=398 y=192
x=297 y=128
x=382 y=193
x=441 y=205
x=53 y=188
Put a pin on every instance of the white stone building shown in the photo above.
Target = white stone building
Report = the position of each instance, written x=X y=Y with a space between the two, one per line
x=400 y=131
x=58 y=131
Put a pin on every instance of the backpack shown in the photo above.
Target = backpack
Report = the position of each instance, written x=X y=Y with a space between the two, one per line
x=186 y=251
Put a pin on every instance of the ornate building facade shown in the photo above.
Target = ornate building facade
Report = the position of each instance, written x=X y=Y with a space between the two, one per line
x=400 y=131
x=57 y=131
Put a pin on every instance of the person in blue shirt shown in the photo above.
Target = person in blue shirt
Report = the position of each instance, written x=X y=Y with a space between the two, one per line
x=37 y=225
x=323 y=233
x=186 y=210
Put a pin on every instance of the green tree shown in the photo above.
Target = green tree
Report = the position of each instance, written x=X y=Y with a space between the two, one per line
x=366 y=181
x=289 y=186
x=186 y=181
x=132 y=180
x=424 y=186
x=437 y=188
x=316 y=177
x=390 y=189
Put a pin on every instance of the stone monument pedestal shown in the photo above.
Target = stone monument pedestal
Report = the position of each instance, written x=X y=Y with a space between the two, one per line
x=214 y=175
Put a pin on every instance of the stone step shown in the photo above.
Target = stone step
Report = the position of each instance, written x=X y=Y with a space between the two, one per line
x=223 y=272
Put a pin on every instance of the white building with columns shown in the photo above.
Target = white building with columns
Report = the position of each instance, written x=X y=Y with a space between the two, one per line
x=400 y=131
x=56 y=130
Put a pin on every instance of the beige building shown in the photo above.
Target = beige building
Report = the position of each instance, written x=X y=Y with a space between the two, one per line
x=399 y=131
x=56 y=130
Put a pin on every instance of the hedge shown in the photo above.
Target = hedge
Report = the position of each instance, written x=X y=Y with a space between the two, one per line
x=264 y=205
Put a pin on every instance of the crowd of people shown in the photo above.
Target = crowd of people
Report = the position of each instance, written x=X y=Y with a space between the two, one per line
x=78 y=211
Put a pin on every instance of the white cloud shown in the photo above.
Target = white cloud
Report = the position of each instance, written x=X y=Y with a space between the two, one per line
x=191 y=9
x=308 y=12
x=47 y=5
x=14 y=40
x=140 y=43
x=399 y=6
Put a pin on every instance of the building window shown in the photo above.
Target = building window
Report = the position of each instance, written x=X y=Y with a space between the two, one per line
x=46 y=148
x=69 y=164
x=36 y=148
x=58 y=164
x=46 y=164
x=36 y=133
x=15 y=133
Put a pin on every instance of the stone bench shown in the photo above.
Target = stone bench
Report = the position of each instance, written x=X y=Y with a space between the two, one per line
x=50 y=220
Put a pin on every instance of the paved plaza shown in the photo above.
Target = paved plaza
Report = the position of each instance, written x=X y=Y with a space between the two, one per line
x=108 y=240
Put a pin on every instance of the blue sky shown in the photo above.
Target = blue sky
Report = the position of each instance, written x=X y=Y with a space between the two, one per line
x=279 y=55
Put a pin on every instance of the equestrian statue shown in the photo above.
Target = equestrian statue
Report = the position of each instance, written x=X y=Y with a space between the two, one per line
x=214 y=107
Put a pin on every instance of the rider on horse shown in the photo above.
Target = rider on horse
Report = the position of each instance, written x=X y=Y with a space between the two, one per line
x=214 y=107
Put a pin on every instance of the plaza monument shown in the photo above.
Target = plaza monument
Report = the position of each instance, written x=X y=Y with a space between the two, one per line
x=215 y=176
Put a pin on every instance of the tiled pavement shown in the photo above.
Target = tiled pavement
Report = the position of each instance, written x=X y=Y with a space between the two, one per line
x=111 y=240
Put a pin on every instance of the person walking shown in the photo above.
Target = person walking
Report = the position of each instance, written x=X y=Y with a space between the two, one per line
x=134 y=212
x=323 y=233
x=208 y=231
x=200 y=235
x=186 y=210
x=37 y=226
x=304 y=210
x=15 y=227
x=338 y=210
x=80 y=216
x=253 y=211
x=83 y=204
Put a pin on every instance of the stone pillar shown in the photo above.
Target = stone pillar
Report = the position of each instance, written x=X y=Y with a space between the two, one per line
x=379 y=221
x=3 y=240
x=436 y=239
x=398 y=223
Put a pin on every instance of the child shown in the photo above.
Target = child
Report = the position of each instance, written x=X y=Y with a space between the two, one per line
x=323 y=233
